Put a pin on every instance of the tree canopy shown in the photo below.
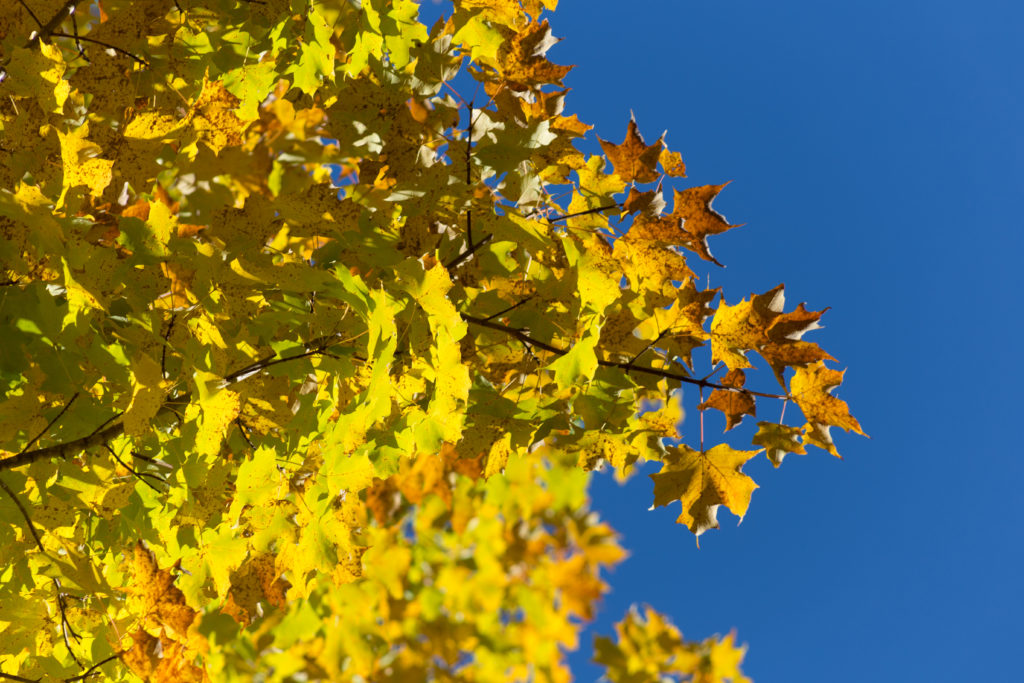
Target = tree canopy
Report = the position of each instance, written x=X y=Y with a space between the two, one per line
x=308 y=352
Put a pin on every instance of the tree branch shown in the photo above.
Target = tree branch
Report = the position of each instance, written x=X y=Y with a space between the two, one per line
x=115 y=48
x=469 y=158
x=469 y=252
x=24 y=513
x=50 y=423
x=47 y=29
x=31 y=14
x=91 y=669
x=628 y=367
x=138 y=475
x=65 y=625
x=584 y=213
x=102 y=435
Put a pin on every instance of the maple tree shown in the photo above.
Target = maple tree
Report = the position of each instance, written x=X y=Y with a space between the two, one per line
x=307 y=359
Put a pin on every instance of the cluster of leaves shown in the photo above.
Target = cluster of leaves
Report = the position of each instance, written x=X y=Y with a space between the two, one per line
x=307 y=359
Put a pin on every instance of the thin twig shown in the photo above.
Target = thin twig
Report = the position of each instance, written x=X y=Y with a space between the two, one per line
x=31 y=14
x=163 y=351
x=469 y=252
x=469 y=151
x=74 y=30
x=510 y=308
x=107 y=421
x=65 y=625
x=93 y=668
x=584 y=213
x=241 y=430
x=115 y=48
x=141 y=476
x=652 y=343
x=24 y=513
x=50 y=424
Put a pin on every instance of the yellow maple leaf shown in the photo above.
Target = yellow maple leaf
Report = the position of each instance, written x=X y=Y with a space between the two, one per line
x=81 y=167
x=219 y=411
x=811 y=388
x=702 y=481
x=758 y=324
x=147 y=395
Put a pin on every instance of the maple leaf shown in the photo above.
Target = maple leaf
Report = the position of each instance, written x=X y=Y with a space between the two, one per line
x=702 y=481
x=691 y=222
x=759 y=324
x=672 y=163
x=778 y=440
x=167 y=621
x=633 y=160
x=521 y=61
x=650 y=203
x=735 y=404
x=811 y=388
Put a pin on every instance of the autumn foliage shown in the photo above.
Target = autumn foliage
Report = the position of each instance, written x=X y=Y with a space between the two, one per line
x=308 y=353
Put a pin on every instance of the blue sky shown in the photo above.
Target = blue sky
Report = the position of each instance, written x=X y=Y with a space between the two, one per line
x=878 y=163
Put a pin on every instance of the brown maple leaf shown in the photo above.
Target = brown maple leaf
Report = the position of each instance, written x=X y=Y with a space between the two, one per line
x=734 y=404
x=632 y=159
x=691 y=222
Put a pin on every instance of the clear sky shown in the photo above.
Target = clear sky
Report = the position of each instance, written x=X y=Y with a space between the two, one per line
x=877 y=155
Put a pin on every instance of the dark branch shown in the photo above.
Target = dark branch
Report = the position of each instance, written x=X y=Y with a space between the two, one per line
x=115 y=48
x=469 y=252
x=141 y=476
x=102 y=435
x=241 y=430
x=48 y=29
x=508 y=309
x=65 y=625
x=469 y=180
x=24 y=513
x=50 y=424
x=628 y=367
x=314 y=347
x=91 y=669
x=518 y=334
x=31 y=14
x=584 y=213
x=167 y=341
